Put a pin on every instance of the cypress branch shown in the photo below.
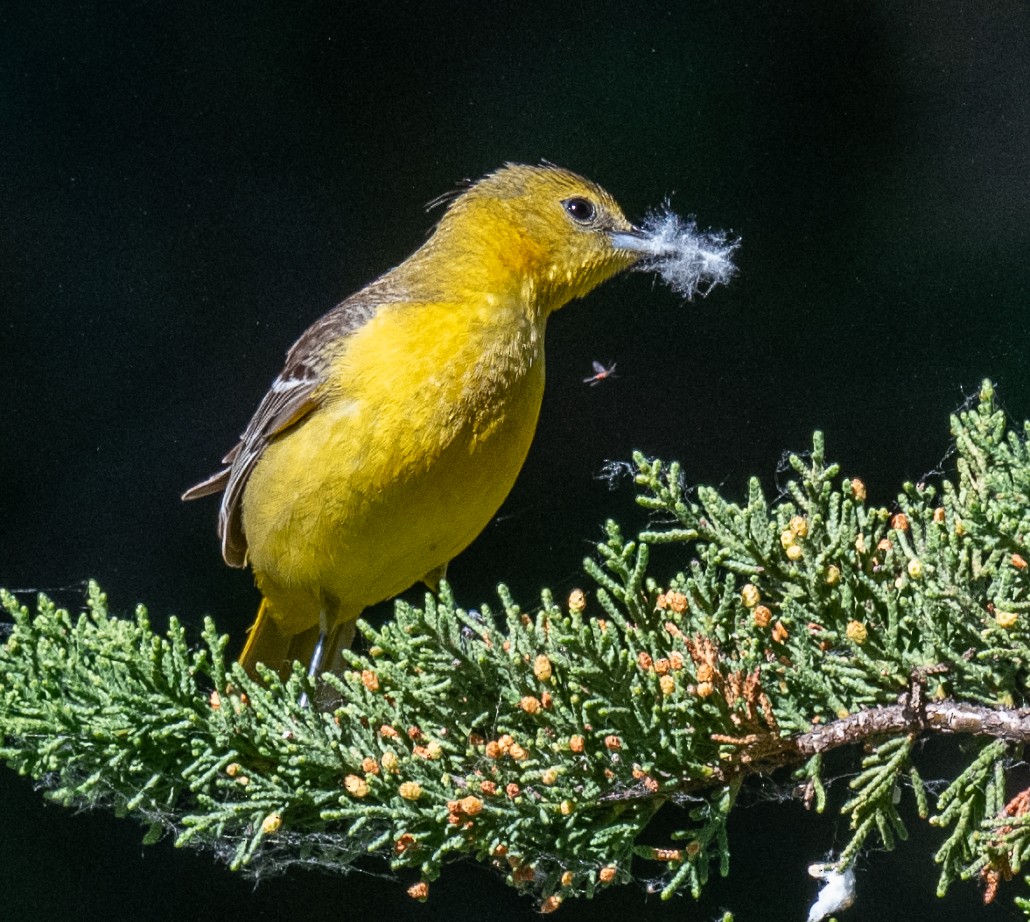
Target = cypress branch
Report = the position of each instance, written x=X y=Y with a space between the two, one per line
x=541 y=742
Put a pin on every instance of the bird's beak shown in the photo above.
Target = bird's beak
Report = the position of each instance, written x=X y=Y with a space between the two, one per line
x=634 y=240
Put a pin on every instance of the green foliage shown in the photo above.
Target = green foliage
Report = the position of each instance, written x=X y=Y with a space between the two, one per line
x=542 y=742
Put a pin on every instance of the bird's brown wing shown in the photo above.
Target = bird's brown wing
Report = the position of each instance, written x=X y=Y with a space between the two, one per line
x=292 y=396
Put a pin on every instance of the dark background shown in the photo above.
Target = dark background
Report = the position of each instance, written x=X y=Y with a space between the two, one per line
x=185 y=186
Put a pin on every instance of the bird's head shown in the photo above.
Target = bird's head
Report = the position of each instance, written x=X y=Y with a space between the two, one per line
x=541 y=232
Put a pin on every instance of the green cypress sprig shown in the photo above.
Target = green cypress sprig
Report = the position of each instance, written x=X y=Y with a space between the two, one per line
x=541 y=741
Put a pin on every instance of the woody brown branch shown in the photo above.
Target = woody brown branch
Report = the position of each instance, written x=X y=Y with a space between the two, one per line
x=766 y=752
x=937 y=717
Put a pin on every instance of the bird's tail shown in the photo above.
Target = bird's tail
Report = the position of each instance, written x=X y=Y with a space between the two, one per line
x=268 y=644
x=265 y=643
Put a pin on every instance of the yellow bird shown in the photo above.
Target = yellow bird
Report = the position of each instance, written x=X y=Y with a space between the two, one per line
x=403 y=416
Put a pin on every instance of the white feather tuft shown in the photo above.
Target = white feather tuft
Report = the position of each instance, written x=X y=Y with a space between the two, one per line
x=690 y=261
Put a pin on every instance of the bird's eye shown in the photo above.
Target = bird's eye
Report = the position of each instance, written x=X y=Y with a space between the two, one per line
x=581 y=210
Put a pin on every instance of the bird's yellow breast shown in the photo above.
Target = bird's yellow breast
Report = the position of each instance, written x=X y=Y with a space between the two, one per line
x=427 y=415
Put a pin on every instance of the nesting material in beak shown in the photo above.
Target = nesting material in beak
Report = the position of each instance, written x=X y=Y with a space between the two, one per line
x=688 y=260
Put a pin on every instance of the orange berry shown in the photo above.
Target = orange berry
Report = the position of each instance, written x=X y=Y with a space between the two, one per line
x=550 y=904
x=419 y=891
x=410 y=790
x=677 y=601
x=356 y=786
x=668 y=854
x=542 y=668
x=1006 y=619
x=470 y=805
x=494 y=750
x=762 y=615
x=530 y=704
x=856 y=632
x=523 y=874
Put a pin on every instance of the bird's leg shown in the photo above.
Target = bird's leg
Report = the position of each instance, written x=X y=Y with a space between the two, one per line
x=315 y=664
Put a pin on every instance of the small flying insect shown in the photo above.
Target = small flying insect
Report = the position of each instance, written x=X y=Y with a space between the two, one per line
x=600 y=374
